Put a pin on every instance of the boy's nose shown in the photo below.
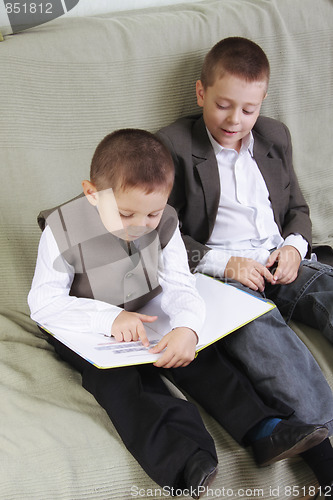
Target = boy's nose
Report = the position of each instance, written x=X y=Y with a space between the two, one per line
x=233 y=116
x=142 y=221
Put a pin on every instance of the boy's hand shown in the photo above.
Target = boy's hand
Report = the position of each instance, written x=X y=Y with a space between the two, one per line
x=248 y=272
x=180 y=346
x=288 y=260
x=128 y=326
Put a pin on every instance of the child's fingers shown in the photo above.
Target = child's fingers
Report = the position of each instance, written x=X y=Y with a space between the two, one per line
x=256 y=278
x=146 y=319
x=162 y=344
x=267 y=275
x=118 y=336
x=141 y=329
x=271 y=260
x=142 y=335
x=166 y=360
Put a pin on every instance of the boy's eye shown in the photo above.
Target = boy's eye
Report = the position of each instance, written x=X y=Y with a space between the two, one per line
x=247 y=112
x=125 y=216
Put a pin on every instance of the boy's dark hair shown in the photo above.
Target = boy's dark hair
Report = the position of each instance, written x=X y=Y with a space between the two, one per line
x=130 y=158
x=238 y=56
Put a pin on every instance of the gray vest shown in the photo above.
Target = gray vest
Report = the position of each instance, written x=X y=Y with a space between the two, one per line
x=107 y=268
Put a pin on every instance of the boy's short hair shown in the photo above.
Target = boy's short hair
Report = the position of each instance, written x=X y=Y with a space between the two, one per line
x=238 y=56
x=129 y=158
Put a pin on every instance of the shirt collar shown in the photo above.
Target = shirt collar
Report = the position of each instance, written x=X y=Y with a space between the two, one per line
x=247 y=144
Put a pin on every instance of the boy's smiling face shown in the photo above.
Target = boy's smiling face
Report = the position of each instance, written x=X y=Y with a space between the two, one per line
x=130 y=213
x=230 y=108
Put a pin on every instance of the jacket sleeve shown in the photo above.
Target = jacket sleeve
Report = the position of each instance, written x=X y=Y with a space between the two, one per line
x=178 y=199
x=273 y=154
x=297 y=217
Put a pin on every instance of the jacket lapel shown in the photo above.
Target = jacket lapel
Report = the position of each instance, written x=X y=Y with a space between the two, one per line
x=204 y=162
x=270 y=169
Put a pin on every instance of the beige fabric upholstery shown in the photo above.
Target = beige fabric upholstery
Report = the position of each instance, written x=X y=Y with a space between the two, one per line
x=63 y=87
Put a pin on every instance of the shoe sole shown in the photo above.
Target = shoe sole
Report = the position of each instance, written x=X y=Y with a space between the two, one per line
x=302 y=445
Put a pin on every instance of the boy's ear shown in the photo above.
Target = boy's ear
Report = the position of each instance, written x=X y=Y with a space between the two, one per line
x=200 y=91
x=90 y=191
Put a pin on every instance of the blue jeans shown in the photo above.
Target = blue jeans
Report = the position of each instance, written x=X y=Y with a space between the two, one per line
x=309 y=299
x=275 y=359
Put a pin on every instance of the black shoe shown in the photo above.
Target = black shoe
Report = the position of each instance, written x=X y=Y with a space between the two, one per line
x=199 y=472
x=287 y=440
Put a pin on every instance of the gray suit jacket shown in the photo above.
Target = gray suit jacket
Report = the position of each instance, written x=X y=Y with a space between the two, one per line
x=196 y=191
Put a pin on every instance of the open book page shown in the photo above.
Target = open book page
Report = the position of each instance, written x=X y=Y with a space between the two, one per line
x=227 y=309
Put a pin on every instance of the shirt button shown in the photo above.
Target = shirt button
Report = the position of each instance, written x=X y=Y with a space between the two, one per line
x=128 y=275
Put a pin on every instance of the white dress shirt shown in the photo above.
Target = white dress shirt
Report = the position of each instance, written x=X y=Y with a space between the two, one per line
x=245 y=225
x=53 y=308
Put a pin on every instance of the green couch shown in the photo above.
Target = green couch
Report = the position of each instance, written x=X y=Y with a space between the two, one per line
x=64 y=86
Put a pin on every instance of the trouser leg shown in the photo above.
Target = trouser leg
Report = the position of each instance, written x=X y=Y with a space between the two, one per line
x=280 y=365
x=309 y=298
x=216 y=383
x=160 y=431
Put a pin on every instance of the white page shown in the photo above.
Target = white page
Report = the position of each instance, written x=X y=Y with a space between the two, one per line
x=227 y=309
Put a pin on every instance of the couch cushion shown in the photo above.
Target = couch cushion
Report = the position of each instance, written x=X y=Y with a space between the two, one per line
x=63 y=87
x=66 y=85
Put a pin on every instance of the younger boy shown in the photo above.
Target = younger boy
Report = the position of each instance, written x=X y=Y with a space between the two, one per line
x=103 y=255
x=244 y=219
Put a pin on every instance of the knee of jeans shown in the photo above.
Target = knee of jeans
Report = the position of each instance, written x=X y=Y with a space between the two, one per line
x=317 y=266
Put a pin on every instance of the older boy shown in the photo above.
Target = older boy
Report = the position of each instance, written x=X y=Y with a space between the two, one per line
x=244 y=219
x=103 y=255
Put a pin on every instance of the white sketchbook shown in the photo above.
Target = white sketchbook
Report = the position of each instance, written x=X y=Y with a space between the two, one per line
x=227 y=309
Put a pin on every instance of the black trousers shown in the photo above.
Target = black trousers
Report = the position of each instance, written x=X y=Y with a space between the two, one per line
x=162 y=431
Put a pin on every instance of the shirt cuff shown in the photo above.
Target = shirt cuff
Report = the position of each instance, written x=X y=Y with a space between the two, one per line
x=102 y=321
x=297 y=241
x=188 y=320
x=213 y=263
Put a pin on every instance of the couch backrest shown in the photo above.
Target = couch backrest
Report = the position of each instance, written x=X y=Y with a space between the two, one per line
x=65 y=85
